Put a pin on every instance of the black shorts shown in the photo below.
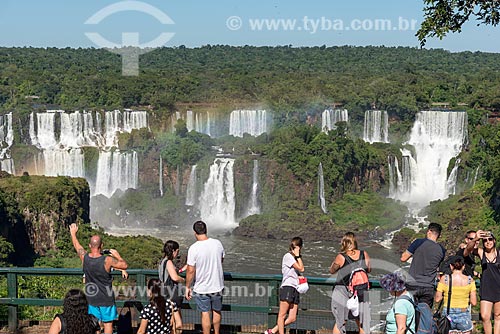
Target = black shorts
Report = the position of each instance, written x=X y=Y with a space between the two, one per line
x=289 y=294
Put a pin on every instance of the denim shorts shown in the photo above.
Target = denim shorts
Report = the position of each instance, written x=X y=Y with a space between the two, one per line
x=460 y=320
x=104 y=313
x=208 y=302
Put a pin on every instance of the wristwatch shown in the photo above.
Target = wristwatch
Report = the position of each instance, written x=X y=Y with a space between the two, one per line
x=298 y=257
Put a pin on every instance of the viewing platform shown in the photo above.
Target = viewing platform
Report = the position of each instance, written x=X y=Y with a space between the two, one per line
x=250 y=301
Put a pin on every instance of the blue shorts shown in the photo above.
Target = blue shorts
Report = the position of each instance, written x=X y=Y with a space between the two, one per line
x=208 y=302
x=460 y=319
x=104 y=313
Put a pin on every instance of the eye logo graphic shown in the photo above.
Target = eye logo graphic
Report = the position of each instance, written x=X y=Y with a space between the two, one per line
x=129 y=49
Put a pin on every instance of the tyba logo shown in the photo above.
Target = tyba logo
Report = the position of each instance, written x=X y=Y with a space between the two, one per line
x=130 y=49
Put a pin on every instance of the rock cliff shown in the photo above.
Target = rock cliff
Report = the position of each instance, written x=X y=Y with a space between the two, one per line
x=35 y=211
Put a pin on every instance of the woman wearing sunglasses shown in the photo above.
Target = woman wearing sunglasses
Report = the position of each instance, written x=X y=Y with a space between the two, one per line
x=490 y=279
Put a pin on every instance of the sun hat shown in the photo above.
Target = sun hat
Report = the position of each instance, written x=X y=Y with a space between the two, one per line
x=393 y=282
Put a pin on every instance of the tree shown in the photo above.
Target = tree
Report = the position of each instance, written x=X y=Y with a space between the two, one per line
x=444 y=16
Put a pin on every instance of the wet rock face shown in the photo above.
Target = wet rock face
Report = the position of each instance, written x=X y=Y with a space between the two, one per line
x=37 y=211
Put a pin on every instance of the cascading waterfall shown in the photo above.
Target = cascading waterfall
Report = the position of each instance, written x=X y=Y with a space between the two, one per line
x=32 y=130
x=253 y=122
x=376 y=127
x=64 y=162
x=437 y=137
x=77 y=130
x=116 y=171
x=46 y=133
x=57 y=159
x=253 y=205
x=189 y=120
x=191 y=188
x=475 y=176
x=451 y=183
x=217 y=202
x=7 y=165
x=6 y=133
x=330 y=117
x=321 y=189
x=116 y=121
x=195 y=120
x=61 y=153
x=6 y=141
x=160 y=177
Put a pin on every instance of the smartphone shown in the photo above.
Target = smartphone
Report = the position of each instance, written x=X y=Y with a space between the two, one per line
x=106 y=252
x=487 y=234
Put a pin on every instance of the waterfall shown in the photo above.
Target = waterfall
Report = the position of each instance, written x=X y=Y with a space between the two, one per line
x=451 y=183
x=253 y=122
x=63 y=162
x=217 y=199
x=7 y=165
x=321 y=189
x=116 y=171
x=62 y=155
x=117 y=121
x=6 y=141
x=253 y=205
x=475 y=176
x=111 y=128
x=189 y=120
x=6 y=133
x=437 y=137
x=330 y=117
x=191 y=187
x=197 y=121
x=399 y=182
x=32 y=130
x=160 y=177
x=46 y=134
x=376 y=126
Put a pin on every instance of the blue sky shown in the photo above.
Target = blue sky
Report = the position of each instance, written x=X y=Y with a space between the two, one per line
x=61 y=23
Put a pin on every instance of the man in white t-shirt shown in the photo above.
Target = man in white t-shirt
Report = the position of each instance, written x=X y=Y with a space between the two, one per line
x=204 y=266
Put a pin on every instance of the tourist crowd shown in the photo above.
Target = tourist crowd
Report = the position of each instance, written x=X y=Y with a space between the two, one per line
x=432 y=279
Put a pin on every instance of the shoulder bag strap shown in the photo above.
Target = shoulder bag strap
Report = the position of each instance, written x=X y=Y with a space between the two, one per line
x=63 y=323
x=449 y=295
x=408 y=298
x=347 y=258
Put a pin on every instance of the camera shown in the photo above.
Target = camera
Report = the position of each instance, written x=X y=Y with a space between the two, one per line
x=106 y=252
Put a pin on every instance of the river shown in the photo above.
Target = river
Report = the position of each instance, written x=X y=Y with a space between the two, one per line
x=263 y=256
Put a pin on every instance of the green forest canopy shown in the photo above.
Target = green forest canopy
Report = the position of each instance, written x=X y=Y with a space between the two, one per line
x=401 y=80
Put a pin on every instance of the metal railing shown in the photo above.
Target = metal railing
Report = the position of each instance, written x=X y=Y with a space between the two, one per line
x=249 y=300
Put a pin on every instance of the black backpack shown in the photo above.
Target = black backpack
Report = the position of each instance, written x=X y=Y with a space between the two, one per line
x=125 y=322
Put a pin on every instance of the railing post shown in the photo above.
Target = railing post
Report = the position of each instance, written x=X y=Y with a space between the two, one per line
x=141 y=284
x=273 y=302
x=12 y=293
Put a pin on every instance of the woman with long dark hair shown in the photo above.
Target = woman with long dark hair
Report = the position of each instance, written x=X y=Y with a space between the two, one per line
x=156 y=317
x=489 y=290
x=168 y=273
x=75 y=318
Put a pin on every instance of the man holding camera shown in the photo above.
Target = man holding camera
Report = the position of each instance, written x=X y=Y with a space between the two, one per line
x=98 y=281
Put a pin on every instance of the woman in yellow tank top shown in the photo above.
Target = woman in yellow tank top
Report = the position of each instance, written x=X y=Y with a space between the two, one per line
x=463 y=294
